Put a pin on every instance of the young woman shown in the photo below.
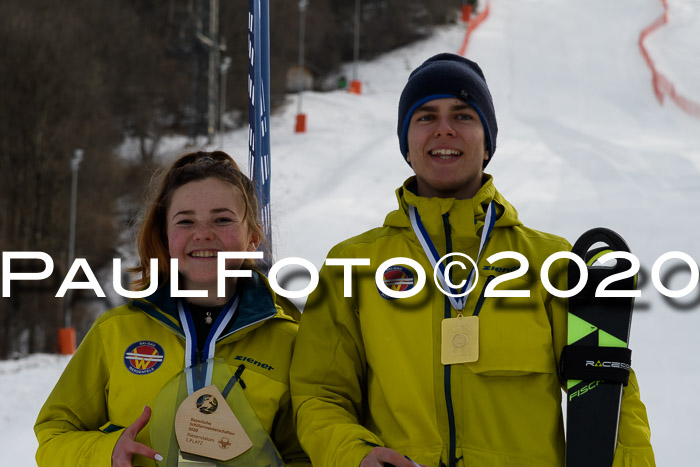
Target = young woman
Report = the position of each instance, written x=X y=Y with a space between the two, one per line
x=98 y=410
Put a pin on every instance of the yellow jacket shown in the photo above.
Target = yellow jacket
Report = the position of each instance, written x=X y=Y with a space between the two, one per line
x=102 y=390
x=367 y=371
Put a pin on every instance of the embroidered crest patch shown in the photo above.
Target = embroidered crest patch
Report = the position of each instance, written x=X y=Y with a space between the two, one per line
x=398 y=278
x=143 y=357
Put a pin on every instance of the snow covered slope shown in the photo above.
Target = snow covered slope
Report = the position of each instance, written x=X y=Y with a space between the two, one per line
x=582 y=143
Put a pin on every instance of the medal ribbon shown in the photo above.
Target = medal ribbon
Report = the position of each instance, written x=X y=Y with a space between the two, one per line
x=199 y=376
x=458 y=303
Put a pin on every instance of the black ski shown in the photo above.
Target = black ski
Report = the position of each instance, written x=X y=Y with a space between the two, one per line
x=595 y=363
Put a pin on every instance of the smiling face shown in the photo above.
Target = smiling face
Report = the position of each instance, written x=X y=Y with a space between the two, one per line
x=446 y=149
x=205 y=217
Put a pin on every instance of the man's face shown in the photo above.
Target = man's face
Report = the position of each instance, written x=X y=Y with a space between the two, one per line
x=446 y=149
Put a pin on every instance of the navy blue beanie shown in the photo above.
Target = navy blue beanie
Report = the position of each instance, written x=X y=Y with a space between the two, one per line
x=442 y=76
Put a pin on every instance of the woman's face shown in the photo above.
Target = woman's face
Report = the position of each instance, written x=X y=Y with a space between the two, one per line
x=206 y=217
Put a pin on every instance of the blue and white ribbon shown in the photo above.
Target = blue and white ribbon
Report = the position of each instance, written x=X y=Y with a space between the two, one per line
x=458 y=302
x=199 y=376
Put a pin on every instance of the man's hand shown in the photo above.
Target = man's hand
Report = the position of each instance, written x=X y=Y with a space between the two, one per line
x=126 y=447
x=379 y=457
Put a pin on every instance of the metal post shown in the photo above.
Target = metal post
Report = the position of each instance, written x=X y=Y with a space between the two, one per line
x=225 y=65
x=300 y=125
x=213 y=36
x=355 y=84
x=300 y=76
x=356 y=49
x=199 y=83
x=74 y=166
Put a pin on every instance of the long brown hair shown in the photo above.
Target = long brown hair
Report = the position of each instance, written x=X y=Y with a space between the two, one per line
x=152 y=240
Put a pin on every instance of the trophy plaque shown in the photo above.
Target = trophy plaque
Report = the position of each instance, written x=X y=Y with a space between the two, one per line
x=206 y=426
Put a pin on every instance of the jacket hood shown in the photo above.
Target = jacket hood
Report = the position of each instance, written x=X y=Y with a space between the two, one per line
x=256 y=305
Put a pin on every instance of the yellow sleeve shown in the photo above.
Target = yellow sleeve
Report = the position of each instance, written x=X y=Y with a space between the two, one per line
x=284 y=435
x=328 y=376
x=67 y=427
x=634 y=435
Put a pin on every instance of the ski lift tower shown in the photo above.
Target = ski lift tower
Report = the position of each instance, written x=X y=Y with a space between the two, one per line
x=205 y=86
x=195 y=39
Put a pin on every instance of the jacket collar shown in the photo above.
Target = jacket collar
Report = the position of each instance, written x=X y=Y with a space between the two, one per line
x=256 y=306
x=466 y=217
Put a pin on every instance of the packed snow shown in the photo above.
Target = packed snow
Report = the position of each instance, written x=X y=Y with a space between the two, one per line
x=582 y=143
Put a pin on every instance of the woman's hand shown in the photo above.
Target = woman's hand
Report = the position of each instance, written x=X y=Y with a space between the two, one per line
x=379 y=457
x=126 y=447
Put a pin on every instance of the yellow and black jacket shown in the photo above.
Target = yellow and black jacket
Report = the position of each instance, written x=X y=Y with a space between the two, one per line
x=367 y=369
x=104 y=388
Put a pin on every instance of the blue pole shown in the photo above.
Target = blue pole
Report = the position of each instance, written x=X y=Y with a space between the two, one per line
x=259 y=111
x=251 y=87
x=266 y=167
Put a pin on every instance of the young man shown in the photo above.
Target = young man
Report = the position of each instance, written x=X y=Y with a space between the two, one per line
x=378 y=380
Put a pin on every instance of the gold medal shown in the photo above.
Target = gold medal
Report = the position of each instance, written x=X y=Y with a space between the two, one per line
x=460 y=340
x=206 y=426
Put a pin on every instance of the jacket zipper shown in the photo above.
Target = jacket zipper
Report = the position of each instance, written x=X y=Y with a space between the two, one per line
x=480 y=303
x=452 y=461
x=452 y=448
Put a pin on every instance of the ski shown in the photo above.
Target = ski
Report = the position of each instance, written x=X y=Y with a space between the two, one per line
x=596 y=361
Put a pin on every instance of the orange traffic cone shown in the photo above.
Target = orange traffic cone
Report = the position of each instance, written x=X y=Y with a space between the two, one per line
x=356 y=86
x=66 y=341
x=300 y=126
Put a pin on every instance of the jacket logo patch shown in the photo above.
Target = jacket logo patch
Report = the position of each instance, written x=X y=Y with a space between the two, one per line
x=398 y=278
x=143 y=357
